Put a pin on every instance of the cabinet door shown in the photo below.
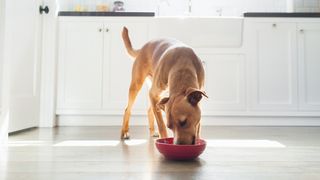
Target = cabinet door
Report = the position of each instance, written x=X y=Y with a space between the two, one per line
x=224 y=83
x=80 y=65
x=309 y=66
x=118 y=65
x=273 y=67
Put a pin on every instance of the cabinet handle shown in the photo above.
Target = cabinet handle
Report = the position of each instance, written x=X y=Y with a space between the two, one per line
x=301 y=31
x=107 y=29
x=274 y=25
x=100 y=30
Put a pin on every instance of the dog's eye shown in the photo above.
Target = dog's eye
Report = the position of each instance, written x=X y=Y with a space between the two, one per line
x=183 y=123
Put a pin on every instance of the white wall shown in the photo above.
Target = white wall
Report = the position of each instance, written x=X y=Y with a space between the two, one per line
x=307 y=5
x=180 y=7
x=236 y=7
x=48 y=60
x=203 y=7
x=130 y=5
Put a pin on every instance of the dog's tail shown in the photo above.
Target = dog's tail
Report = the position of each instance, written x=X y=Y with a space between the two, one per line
x=125 y=36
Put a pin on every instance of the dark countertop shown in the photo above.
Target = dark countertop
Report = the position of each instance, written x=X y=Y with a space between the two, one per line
x=282 y=14
x=92 y=13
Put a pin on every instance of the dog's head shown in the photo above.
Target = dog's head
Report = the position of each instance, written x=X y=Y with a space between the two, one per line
x=183 y=115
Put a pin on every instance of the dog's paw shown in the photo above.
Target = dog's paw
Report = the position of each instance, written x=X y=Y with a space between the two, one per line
x=155 y=134
x=125 y=136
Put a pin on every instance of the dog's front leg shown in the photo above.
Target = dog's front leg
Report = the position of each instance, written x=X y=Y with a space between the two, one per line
x=153 y=133
x=157 y=112
x=198 y=131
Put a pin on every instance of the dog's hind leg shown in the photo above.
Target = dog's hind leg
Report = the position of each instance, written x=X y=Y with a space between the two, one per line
x=137 y=80
x=133 y=91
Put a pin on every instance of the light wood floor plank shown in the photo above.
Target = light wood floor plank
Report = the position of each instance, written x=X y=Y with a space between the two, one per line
x=97 y=153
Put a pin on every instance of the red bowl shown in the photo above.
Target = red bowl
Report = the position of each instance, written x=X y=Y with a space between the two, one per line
x=180 y=152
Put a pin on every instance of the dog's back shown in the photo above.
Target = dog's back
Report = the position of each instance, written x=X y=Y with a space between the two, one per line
x=170 y=50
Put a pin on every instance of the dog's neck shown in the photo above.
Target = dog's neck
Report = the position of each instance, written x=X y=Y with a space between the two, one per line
x=180 y=80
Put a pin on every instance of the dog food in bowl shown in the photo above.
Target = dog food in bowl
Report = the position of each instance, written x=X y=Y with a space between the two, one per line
x=180 y=152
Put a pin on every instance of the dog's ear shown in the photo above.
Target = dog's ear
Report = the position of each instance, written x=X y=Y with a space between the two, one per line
x=194 y=95
x=162 y=103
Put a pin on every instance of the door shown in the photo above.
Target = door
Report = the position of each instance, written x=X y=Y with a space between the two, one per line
x=309 y=65
x=80 y=66
x=273 y=75
x=3 y=124
x=22 y=49
x=1 y=51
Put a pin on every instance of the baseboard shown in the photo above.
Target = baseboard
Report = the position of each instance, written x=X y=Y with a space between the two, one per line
x=71 y=120
x=22 y=131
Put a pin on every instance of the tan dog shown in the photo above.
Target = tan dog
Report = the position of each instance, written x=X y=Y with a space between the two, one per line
x=169 y=64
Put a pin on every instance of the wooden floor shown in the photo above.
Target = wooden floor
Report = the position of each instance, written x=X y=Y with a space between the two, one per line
x=96 y=153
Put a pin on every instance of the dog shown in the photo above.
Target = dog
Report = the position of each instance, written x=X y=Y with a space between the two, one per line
x=175 y=67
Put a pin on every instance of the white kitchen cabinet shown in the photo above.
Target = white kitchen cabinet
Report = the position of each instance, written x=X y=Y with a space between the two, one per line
x=309 y=66
x=271 y=70
x=224 y=83
x=94 y=69
x=80 y=65
x=272 y=66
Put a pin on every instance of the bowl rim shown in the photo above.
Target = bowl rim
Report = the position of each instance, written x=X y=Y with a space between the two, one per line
x=202 y=143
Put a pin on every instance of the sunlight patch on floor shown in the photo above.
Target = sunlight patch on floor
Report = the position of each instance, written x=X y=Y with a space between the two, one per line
x=83 y=143
x=27 y=143
x=135 y=142
x=77 y=143
x=244 y=143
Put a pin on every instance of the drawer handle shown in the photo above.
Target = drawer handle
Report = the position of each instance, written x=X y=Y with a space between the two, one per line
x=274 y=25
x=100 y=30
x=301 y=30
x=107 y=29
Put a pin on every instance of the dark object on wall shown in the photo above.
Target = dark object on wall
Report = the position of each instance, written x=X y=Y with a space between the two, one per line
x=43 y=9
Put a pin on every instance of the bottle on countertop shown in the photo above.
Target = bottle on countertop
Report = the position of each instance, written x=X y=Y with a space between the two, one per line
x=118 y=6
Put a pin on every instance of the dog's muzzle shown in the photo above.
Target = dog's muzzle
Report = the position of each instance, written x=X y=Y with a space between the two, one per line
x=179 y=142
